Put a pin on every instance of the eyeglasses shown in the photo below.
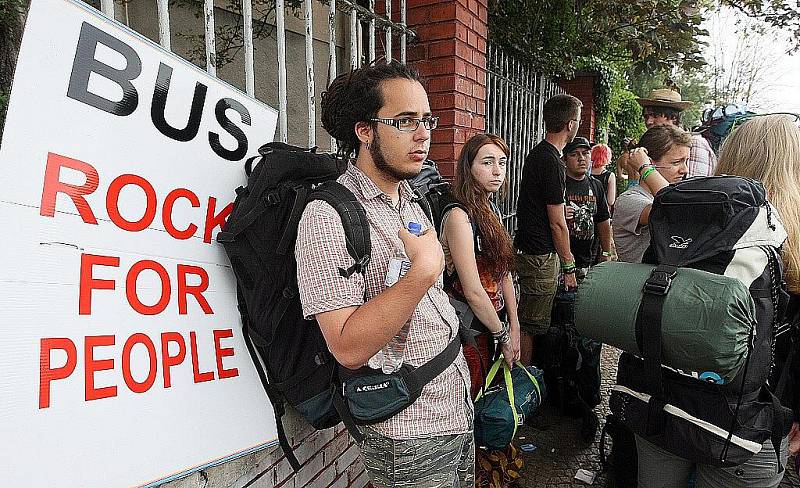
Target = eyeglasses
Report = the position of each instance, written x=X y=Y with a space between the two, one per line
x=409 y=124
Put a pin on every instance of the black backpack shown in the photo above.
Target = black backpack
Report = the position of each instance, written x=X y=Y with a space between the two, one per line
x=259 y=238
x=721 y=225
x=289 y=352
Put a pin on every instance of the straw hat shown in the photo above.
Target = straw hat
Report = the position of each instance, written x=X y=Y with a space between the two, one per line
x=664 y=97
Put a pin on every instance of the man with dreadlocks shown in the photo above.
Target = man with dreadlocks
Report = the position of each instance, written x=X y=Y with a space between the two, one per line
x=380 y=115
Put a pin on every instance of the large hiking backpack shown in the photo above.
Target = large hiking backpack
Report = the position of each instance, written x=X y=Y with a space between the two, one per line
x=716 y=123
x=289 y=352
x=722 y=225
x=259 y=238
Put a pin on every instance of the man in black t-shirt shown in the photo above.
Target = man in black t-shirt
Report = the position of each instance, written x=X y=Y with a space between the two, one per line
x=586 y=208
x=542 y=238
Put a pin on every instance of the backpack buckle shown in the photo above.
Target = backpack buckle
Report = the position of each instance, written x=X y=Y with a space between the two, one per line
x=660 y=280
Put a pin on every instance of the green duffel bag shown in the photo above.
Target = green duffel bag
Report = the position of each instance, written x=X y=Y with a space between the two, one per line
x=706 y=319
x=500 y=408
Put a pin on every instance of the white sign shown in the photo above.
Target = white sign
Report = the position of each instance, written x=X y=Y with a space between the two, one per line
x=121 y=356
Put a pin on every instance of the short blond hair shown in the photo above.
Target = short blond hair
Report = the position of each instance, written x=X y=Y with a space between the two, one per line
x=767 y=148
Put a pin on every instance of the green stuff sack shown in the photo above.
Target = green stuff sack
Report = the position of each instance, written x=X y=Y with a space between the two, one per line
x=707 y=318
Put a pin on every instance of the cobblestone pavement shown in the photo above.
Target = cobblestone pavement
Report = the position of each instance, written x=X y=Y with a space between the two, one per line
x=560 y=451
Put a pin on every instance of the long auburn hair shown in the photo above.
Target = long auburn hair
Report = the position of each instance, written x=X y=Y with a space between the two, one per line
x=498 y=253
x=767 y=148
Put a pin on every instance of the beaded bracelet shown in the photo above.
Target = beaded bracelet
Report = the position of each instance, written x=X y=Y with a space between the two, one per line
x=502 y=335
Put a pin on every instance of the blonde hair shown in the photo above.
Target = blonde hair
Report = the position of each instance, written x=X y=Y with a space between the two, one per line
x=767 y=149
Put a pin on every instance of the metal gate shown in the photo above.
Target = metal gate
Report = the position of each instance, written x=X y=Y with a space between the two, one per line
x=368 y=30
x=515 y=96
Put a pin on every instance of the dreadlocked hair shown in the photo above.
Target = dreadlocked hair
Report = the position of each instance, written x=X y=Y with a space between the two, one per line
x=498 y=253
x=356 y=97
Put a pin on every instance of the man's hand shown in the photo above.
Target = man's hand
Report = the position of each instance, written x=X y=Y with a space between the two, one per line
x=570 y=282
x=424 y=252
x=569 y=212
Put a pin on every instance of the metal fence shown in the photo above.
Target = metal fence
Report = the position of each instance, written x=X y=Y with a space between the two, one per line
x=364 y=27
x=515 y=96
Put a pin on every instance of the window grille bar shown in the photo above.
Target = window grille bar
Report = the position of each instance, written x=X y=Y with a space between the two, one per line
x=163 y=25
x=371 y=31
x=211 y=42
x=107 y=7
x=280 y=26
x=332 y=52
x=354 y=30
x=404 y=34
x=249 y=72
x=312 y=112
x=388 y=31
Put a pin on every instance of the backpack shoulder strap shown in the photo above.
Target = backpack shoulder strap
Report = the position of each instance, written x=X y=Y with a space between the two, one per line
x=424 y=203
x=354 y=221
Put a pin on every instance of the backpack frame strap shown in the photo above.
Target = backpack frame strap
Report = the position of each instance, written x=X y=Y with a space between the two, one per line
x=423 y=202
x=275 y=398
x=648 y=338
x=354 y=222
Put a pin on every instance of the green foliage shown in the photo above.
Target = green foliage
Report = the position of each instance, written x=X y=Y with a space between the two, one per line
x=778 y=14
x=626 y=120
x=551 y=35
x=607 y=82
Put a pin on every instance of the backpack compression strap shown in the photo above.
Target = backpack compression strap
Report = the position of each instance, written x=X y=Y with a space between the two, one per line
x=354 y=221
x=275 y=398
x=648 y=338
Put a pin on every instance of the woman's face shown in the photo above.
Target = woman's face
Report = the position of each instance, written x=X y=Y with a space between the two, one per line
x=489 y=167
x=673 y=164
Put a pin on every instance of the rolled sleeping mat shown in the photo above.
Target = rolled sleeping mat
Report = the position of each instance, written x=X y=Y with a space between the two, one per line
x=705 y=324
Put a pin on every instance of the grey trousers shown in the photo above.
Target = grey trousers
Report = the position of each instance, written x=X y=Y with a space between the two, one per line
x=441 y=461
x=661 y=469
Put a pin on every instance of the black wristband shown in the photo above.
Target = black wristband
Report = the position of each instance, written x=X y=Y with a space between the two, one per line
x=571 y=271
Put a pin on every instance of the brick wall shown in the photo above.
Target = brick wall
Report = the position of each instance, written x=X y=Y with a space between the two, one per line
x=450 y=55
x=329 y=458
x=582 y=87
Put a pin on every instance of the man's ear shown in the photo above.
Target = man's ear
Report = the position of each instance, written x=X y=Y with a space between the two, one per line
x=363 y=131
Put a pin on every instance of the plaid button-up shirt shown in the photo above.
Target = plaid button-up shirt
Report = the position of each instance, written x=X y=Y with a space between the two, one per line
x=444 y=407
x=702 y=160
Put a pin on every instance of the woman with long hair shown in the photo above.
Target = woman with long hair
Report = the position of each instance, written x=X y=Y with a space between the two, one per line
x=601 y=156
x=478 y=252
x=767 y=148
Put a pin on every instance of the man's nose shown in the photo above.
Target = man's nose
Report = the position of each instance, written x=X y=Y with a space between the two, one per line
x=422 y=133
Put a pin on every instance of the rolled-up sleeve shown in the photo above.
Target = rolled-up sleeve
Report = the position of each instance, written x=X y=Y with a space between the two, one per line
x=320 y=251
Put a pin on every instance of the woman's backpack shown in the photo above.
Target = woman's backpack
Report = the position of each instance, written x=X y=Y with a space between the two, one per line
x=722 y=225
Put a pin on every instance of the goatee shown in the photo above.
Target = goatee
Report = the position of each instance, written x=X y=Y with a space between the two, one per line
x=383 y=166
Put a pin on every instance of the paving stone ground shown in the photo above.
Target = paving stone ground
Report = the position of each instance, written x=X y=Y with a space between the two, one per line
x=560 y=451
